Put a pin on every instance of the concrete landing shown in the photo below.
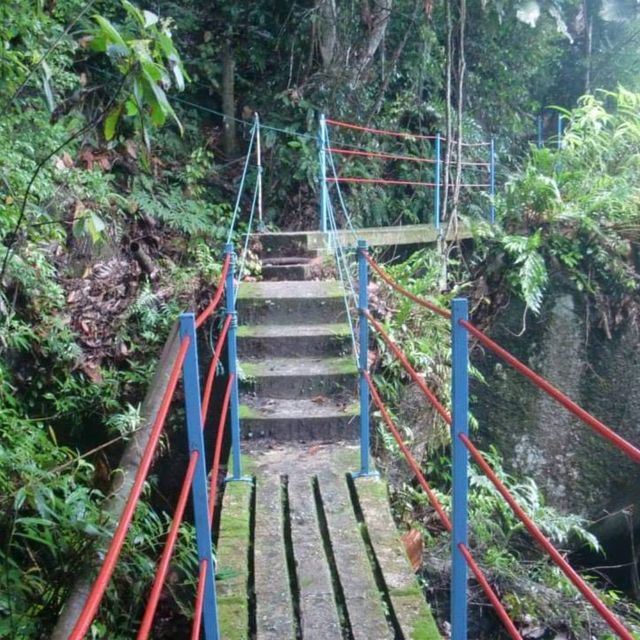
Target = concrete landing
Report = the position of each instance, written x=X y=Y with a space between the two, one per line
x=307 y=553
x=309 y=243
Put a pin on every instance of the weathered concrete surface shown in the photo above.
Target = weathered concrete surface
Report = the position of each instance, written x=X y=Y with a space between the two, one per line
x=232 y=553
x=291 y=302
x=305 y=419
x=304 y=242
x=301 y=377
x=325 y=532
x=274 y=610
x=410 y=608
x=297 y=339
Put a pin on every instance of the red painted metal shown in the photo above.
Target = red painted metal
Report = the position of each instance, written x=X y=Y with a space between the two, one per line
x=384 y=132
x=409 y=369
x=376 y=154
x=566 y=568
x=490 y=593
x=213 y=305
x=197 y=611
x=417 y=299
x=211 y=374
x=167 y=552
x=414 y=183
x=213 y=488
x=106 y=571
x=444 y=518
x=547 y=387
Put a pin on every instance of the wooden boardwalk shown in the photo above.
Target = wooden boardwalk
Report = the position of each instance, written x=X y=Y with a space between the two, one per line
x=305 y=552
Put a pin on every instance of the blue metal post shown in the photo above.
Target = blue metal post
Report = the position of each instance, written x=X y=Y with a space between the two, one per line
x=232 y=365
x=559 y=142
x=436 y=199
x=363 y=364
x=199 y=492
x=492 y=180
x=540 y=141
x=460 y=424
x=322 y=142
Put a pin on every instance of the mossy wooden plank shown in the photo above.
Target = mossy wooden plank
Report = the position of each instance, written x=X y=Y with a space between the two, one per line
x=233 y=561
x=318 y=613
x=410 y=607
x=362 y=598
x=274 y=611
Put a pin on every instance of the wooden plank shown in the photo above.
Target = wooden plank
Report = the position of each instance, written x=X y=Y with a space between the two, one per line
x=233 y=561
x=362 y=597
x=274 y=612
x=318 y=613
x=408 y=601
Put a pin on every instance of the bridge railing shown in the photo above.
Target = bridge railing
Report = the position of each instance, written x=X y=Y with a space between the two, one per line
x=483 y=176
x=197 y=402
x=462 y=447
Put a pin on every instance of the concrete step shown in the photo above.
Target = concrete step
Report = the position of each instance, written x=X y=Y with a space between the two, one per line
x=300 y=271
x=293 y=340
x=303 y=419
x=284 y=244
x=299 y=377
x=291 y=302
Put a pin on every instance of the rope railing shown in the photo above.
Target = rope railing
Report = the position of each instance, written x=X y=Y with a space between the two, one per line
x=606 y=432
x=414 y=183
x=459 y=424
x=108 y=566
x=167 y=552
x=423 y=302
x=411 y=461
x=213 y=305
x=540 y=538
x=415 y=376
x=194 y=481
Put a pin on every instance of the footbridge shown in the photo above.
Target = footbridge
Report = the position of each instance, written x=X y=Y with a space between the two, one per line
x=306 y=546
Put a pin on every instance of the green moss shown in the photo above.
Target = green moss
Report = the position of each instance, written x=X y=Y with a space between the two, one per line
x=247 y=413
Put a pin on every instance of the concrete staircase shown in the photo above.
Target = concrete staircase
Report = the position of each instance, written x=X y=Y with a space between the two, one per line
x=294 y=348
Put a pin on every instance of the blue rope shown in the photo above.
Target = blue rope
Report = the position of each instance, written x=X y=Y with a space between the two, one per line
x=241 y=188
x=340 y=263
x=338 y=190
x=243 y=260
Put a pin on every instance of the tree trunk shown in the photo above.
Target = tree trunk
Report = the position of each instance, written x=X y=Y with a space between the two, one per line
x=120 y=487
x=327 y=30
x=228 y=98
x=377 y=20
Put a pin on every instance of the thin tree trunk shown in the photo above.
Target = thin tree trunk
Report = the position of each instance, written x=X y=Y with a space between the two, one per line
x=327 y=30
x=228 y=98
x=120 y=487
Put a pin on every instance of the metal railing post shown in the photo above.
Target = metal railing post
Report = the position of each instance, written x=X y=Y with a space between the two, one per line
x=261 y=225
x=363 y=364
x=436 y=199
x=460 y=425
x=559 y=133
x=539 y=123
x=199 y=492
x=322 y=143
x=234 y=406
x=492 y=180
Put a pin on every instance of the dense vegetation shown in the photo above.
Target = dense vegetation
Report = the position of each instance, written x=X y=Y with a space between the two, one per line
x=121 y=127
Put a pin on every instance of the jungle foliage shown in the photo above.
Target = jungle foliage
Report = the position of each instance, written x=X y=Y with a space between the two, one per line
x=113 y=130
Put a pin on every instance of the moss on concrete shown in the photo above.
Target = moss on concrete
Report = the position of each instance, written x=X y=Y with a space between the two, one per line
x=232 y=553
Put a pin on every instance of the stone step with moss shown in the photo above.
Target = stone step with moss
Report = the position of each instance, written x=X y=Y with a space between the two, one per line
x=302 y=419
x=293 y=340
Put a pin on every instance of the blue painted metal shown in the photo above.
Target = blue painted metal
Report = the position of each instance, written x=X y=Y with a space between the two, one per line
x=540 y=141
x=363 y=364
x=492 y=180
x=324 y=194
x=559 y=132
x=460 y=424
x=199 y=491
x=436 y=198
x=234 y=405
